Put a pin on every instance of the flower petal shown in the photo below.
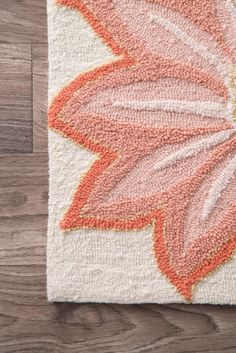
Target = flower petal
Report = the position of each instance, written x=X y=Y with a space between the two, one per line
x=172 y=35
x=226 y=13
x=111 y=96
x=110 y=111
x=221 y=183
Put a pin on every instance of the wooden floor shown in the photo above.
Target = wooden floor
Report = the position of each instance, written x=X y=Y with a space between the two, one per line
x=27 y=322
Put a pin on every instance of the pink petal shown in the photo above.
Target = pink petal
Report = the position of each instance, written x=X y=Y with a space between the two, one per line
x=166 y=89
x=171 y=35
x=226 y=13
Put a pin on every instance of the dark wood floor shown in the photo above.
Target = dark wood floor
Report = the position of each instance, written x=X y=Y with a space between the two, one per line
x=27 y=322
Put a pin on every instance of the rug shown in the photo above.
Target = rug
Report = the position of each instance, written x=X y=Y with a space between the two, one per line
x=142 y=147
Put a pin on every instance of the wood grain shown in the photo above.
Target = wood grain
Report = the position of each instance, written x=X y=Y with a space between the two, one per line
x=28 y=323
x=40 y=64
x=23 y=21
x=15 y=98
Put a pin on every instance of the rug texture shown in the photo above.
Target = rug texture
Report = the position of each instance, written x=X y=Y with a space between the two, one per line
x=142 y=145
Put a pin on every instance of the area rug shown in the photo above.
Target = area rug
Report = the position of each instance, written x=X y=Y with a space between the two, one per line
x=142 y=147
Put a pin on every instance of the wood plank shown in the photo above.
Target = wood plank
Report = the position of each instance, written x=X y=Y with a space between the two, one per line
x=23 y=21
x=26 y=169
x=25 y=192
x=23 y=240
x=23 y=209
x=27 y=200
x=15 y=98
x=40 y=66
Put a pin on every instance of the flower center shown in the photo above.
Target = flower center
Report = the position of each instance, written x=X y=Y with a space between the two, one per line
x=233 y=91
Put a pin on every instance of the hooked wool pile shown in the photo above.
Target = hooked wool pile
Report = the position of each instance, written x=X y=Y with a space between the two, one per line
x=142 y=147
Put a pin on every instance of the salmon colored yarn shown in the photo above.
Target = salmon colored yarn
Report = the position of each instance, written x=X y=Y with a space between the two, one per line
x=161 y=118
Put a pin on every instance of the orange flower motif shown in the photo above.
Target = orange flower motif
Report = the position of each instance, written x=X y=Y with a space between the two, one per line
x=162 y=120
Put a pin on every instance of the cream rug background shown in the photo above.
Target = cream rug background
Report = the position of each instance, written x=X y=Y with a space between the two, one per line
x=91 y=265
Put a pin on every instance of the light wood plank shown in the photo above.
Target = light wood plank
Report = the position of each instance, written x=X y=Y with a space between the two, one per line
x=25 y=169
x=15 y=98
x=23 y=240
x=23 y=21
x=25 y=192
x=40 y=88
x=23 y=209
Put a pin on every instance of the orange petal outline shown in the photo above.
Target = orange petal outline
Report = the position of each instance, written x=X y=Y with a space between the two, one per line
x=184 y=285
